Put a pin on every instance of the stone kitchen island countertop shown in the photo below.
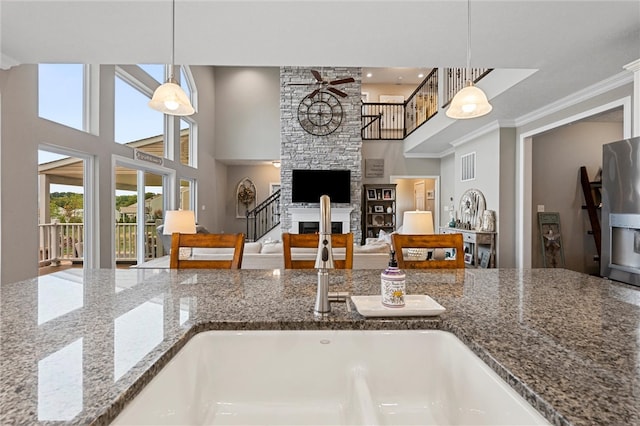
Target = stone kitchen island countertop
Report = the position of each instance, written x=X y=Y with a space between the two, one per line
x=76 y=346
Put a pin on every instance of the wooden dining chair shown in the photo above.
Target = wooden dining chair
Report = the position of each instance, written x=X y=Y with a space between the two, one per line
x=234 y=241
x=290 y=241
x=434 y=241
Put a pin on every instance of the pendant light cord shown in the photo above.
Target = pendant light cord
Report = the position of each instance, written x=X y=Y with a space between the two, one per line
x=469 y=40
x=173 y=38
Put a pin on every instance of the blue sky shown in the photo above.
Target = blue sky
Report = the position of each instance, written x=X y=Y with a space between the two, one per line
x=60 y=99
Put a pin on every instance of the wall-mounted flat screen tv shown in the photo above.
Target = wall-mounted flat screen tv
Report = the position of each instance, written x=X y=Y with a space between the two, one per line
x=307 y=186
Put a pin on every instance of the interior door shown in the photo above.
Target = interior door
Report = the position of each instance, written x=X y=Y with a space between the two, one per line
x=419 y=195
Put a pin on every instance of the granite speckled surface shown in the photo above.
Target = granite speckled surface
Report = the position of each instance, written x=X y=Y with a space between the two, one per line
x=75 y=347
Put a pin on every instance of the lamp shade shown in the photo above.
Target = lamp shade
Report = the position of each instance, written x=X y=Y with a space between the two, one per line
x=470 y=102
x=169 y=98
x=417 y=222
x=181 y=221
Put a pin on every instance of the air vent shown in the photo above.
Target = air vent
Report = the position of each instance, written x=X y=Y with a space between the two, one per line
x=468 y=166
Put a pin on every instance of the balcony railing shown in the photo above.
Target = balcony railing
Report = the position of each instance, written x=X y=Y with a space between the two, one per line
x=264 y=217
x=456 y=79
x=385 y=121
x=64 y=241
x=423 y=103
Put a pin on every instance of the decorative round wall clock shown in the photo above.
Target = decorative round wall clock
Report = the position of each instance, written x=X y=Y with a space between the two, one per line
x=320 y=113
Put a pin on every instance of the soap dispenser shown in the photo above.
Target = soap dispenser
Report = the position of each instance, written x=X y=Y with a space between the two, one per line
x=392 y=283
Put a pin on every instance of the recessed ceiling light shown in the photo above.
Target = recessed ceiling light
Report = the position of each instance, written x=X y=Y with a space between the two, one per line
x=420 y=75
x=399 y=77
x=369 y=75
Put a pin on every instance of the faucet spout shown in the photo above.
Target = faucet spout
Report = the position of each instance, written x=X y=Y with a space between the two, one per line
x=324 y=258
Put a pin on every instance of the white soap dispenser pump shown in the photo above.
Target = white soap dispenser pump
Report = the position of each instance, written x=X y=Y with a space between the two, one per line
x=392 y=284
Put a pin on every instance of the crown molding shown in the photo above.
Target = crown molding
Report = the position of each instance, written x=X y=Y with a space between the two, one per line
x=7 y=62
x=487 y=128
x=582 y=95
x=633 y=66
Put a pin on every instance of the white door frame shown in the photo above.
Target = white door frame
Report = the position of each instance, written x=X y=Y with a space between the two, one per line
x=168 y=196
x=91 y=212
x=524 y=219
x=436 y=213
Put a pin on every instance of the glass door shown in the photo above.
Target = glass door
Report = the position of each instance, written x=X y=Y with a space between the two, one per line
x=63 y=210
x=139 y=203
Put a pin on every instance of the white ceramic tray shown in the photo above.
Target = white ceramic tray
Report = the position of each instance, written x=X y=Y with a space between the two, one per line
x=415 y=305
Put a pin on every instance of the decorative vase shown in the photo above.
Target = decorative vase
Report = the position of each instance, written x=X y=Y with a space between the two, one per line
x=489 y=221
x=389 y=209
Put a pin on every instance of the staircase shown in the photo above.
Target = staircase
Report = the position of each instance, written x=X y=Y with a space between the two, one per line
x=592 y=199
x=264 y=217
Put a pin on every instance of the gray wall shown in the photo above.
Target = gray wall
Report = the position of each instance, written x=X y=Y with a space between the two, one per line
x=506 y=210
x=262 y=176
x=247 y=115
x=557 y=157
x=447 y=188
x=375 y=90
x=395 y=164
x=495 y=178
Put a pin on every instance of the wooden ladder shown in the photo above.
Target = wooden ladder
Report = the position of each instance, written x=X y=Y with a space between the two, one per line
x=588 y=188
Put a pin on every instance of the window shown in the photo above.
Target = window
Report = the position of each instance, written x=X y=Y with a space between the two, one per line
x=187 y=195
x=135 y=123
x=154 y=70
x=186 y=142
x=184 y=83
x=61 y=94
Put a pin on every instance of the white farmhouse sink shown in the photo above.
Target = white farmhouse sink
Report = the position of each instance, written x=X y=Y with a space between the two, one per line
x=327 y=378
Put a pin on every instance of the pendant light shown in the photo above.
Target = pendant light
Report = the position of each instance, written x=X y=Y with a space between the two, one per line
x=469 y=102
x=169 y=98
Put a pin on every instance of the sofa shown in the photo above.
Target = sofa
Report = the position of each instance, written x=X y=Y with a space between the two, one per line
x=269 y=255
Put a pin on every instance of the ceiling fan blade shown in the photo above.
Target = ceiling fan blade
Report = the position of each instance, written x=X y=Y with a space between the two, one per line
x=315 y=92
x=301 y=84
x=337 y=92
x=317 y=75
x=343 y=80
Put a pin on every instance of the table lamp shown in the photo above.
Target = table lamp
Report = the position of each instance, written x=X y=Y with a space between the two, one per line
x=180 y=221
x=417 y=222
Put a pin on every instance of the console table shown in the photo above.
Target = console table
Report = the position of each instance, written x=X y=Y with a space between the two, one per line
x=476 y=242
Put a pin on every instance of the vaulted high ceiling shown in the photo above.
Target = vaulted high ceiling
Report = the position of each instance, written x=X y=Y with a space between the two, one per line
x=572 y=43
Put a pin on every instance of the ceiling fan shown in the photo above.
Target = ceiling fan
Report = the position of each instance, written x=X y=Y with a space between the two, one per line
x=325 y=85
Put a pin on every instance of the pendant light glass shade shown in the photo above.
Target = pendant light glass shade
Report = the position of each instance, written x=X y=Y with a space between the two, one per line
x=469 y=102
x=169 y=98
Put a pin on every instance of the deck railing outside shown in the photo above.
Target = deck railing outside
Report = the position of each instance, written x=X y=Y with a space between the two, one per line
x=65 y=241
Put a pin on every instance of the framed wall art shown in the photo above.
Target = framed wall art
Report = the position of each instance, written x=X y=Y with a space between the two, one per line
x=551 y=240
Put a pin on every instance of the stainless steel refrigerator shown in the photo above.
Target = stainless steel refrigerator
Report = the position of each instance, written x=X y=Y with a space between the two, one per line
x=621 y=211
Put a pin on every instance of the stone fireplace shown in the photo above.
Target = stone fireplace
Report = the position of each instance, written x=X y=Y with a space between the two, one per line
x=339 y=150
x=307 y=217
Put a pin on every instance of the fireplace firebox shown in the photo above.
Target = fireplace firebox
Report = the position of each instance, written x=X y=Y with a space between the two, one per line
x=314 y=227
